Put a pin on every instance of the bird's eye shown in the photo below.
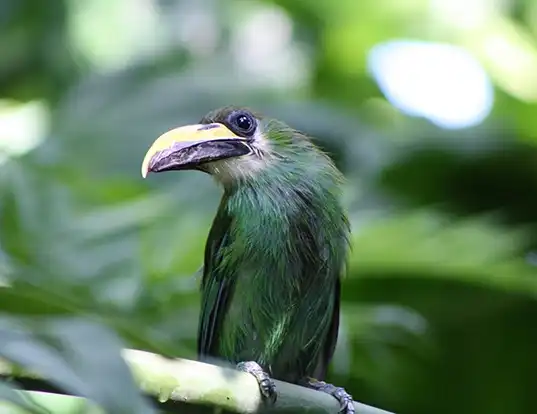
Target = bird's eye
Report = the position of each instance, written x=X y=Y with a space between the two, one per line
x=243 y=123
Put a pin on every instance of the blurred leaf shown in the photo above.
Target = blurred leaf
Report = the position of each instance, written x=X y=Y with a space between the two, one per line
x=468 y=175
x=24 y=300
x=31 y=69
x=425 y=243
x=17 y=398
x=79 y=357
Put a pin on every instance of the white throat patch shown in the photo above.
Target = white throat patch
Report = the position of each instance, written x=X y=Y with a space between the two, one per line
x=232 y=169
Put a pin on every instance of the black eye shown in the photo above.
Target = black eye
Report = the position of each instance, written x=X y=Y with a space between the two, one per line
x=243 y=124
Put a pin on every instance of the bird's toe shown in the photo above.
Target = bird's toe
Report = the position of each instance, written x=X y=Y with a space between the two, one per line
x=267 y=387
x=346 y=403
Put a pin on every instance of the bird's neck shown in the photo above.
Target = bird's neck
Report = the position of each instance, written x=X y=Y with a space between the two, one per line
x=285 y=214
x=280 y=193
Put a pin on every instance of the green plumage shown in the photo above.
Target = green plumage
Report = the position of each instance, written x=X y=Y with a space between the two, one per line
x=274 y=258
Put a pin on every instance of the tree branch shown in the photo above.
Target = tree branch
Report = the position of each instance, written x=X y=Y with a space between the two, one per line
x=176 y=383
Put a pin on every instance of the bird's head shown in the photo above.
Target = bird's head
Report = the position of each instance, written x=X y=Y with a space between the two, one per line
x=228 y=143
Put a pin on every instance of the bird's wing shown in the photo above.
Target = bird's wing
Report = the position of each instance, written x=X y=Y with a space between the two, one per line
x=215 y=287
x=331 y=337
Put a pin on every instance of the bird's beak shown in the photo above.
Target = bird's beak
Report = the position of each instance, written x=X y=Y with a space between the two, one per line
x=189 y=146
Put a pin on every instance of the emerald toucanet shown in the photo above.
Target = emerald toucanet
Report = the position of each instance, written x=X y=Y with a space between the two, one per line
x=276 y=251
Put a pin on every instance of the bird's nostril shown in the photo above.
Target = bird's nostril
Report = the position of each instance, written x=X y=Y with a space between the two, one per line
x=209 y=126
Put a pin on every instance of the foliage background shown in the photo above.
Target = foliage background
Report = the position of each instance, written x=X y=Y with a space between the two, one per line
x=440 y=301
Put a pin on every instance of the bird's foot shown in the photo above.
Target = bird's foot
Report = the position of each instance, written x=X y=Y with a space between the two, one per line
x=266 y=385
x=345 y=400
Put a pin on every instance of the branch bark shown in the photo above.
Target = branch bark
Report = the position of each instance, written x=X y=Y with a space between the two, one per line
x=176 y=382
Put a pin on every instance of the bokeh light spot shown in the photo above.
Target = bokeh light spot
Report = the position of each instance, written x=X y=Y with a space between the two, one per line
x=440 y=82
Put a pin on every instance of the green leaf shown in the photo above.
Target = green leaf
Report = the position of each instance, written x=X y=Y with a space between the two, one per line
x=9 y=394
x=81 y=358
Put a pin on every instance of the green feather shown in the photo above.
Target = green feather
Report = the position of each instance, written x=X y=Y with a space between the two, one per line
x=274 y=258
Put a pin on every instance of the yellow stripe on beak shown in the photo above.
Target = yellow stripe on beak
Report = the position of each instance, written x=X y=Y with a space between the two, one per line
x=189 y=135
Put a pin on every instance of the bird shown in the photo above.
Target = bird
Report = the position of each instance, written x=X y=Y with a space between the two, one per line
x=276 y=252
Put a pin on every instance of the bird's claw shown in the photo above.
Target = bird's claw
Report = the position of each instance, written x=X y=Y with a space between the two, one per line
x=346 y=404
x=266 y=385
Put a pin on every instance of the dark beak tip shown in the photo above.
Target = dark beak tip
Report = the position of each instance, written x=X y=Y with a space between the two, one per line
x=191 y=155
